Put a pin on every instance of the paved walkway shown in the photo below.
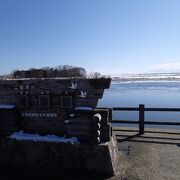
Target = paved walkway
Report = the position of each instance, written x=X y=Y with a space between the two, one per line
x=152 y=156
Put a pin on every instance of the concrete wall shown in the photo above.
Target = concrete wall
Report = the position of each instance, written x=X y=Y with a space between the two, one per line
x=98 y=159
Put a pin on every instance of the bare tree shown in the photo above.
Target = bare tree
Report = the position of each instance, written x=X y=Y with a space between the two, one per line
x=58 y=71
x=96 y=75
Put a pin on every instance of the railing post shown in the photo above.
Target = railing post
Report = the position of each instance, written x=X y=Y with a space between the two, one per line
x=141 y=118
x=110 y=115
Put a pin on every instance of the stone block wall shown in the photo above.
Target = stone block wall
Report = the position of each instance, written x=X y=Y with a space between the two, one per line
x=96 y=159
x=8 y=121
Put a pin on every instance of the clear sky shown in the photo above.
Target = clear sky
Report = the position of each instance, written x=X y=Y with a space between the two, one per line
x=109 y=36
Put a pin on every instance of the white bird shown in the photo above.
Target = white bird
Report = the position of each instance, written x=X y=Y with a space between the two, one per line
x=73 y=85
x=83 y=94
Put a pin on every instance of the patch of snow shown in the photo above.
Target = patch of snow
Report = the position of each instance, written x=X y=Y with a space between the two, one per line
x=143 y=81
x=72 y=115
x=97 y=117
x=66 y=121
x=47 y=138
x=148 y=76
x=6 y=106
x=87 y=108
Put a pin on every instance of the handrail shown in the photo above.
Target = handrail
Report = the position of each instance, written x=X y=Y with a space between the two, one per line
x=125 y=109
x=145 y=109
x=124 y=122
x=141 y=109
x=146 y=122
x=163 y=109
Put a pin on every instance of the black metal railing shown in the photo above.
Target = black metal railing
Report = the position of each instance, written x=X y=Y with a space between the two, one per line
x=141 y=122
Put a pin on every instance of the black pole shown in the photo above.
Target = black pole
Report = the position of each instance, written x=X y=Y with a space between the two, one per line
x=141 y=118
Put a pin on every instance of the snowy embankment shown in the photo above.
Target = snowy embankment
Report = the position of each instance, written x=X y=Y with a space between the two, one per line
x=47 y=138
x=168 y=77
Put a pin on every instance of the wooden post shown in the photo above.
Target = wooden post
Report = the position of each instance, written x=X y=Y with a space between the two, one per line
x=110 y=110
x=141 y=118
x=110 y=114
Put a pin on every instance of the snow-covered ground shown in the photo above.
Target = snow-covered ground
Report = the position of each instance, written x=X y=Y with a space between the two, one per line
x=146 y=77
x=47 y=138
x=85 y=108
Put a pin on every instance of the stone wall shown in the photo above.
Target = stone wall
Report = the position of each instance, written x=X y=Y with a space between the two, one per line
x=29 y=95
x=81 y=125
x=97 y=159
x=8 y=121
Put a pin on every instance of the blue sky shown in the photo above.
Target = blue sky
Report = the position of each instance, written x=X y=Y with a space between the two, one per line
x=109 y=36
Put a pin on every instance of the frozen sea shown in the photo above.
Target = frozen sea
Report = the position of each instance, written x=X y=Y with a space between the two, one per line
x=150 y=93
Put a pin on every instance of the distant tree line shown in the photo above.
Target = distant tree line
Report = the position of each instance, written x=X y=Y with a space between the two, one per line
x=58 y=71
